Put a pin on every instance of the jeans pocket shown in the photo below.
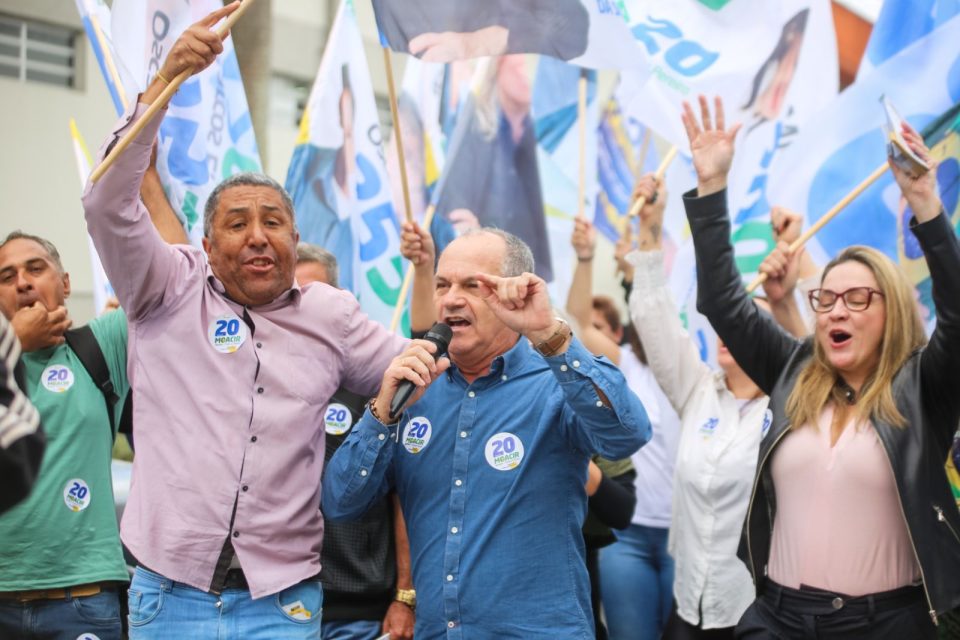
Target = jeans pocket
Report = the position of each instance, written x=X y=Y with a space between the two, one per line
x=143 y=604
x=302 y=603
x=102 y=608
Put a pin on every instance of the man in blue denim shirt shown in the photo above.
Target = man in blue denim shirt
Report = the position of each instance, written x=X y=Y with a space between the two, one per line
x=490 y=463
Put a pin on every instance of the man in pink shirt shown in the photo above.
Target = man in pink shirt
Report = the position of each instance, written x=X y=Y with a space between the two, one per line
x=232 y=364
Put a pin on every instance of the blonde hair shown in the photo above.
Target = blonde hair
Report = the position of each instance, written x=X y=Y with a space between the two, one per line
x=902 y=335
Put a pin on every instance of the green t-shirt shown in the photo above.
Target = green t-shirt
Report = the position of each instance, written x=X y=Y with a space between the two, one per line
x=65 y=533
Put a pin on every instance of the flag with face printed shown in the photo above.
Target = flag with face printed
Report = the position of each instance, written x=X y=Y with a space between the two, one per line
x=773 y=86
x=338 y=178
x=923 y=82
x=587 y=33
x=206 y=134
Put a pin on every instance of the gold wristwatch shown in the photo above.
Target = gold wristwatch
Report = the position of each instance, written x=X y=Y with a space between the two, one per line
x=407 y=597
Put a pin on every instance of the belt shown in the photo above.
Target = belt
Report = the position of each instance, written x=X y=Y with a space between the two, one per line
x=61 y=593
x=828 y=601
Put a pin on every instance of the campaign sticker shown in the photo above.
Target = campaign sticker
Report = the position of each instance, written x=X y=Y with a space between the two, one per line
x=767 y=421
x=227 y=333
x=338 y=419
x=57 y=378
x=88 y=636
x=504 y=451
x=76 y=495
x=297 y=611
x=417 y=434
x=708 y=427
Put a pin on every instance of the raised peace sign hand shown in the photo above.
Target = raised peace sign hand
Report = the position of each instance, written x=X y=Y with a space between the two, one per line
x=711 y=145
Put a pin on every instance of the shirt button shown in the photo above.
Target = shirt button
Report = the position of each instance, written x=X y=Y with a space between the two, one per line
x=458 y=482
x=253 y=439
x=259 y=345
x=449 y=578
x=451 y=624
x=472 y=394
x=454 y=529
x=259 y=389
x=504 y=377
x=463 y=434
x=563 y=367
x=599 y=403
x=381 y=437
x=245 y=487
x=236 y=534
x=576 y=364
x=363 y=473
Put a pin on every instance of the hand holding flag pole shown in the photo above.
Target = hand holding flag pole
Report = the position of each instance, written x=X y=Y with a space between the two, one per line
x=661 y=170
x=232 y=12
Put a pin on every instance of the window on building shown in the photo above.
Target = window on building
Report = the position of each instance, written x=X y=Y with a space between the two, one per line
x=37 y=52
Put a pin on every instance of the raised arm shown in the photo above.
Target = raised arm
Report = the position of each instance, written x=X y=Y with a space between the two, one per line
x=140 y=265
x=757 y=343
x=155 y=200
x=580 y=297
x=783 y=268
x=940 y=362
x=671 y=354
x=416 y=245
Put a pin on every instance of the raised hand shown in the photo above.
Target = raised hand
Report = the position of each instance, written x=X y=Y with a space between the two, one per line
x=782 y=268
x=921 y=191
x=37 y=328
x=416 y=245
x=584 y=239
x=415 y=364
x=625 y=245
x=520 y=302
x=711 y=145
x=786 y=224
x=195 y=49
x=654 y=193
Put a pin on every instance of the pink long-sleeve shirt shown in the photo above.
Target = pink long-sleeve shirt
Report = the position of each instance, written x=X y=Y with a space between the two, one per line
x=229 y=400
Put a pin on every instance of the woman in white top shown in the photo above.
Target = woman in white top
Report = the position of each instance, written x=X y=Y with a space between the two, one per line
x=636 y=572
x=723 y=415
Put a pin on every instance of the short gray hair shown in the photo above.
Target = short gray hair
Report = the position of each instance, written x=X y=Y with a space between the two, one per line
x=244 y=179
x=307 y=252
x=48 y=246
x=518 y=258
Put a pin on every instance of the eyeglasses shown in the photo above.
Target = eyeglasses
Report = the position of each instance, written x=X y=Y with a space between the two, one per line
x=854 y=299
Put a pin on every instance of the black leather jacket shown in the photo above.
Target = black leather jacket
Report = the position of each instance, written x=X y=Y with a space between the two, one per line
x=926 y=391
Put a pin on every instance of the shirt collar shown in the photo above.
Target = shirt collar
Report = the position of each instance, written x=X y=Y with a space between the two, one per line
x=293 y=295
x=509 y=364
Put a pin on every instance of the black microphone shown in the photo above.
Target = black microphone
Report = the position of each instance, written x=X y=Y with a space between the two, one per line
x=439 y=335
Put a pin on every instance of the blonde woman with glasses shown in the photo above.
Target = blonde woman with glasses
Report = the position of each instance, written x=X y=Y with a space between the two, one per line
x=851 y=530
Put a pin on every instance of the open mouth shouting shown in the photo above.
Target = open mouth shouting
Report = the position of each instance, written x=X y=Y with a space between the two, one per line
x=839 y=338
x=259 y=264
x=457 y=323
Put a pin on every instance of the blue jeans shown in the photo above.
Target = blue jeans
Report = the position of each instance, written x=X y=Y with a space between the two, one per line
x=636 y=583
x=351 y=630
x=161 y=609
x=96 y=616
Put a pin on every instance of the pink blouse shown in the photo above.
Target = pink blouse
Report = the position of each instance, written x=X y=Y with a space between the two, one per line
x=839 y=525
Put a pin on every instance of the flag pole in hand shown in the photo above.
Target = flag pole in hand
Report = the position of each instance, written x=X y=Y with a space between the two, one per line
x=661 y=170
x=162 y=99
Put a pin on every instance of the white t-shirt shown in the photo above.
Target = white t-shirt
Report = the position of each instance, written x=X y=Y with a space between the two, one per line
x=654 y=461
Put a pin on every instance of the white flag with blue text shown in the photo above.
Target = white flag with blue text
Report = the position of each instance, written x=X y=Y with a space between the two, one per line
x=338 y=178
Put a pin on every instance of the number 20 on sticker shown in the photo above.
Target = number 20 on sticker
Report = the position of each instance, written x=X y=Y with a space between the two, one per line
x=504 y=451
x=227 y=334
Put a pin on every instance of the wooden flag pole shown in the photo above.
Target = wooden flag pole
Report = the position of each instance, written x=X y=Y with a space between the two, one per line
x=582 y=120
x=661 y=170
x=397 y=135
x=408 y=277
x=108 y=59
x=827 y=217
x=162 y=100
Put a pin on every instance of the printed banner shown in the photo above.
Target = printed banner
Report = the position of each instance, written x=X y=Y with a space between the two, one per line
x=587 y=33
x=207 y=134
x=338 y=177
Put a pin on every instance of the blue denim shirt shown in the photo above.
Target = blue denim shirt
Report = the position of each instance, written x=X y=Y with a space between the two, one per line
x=491 y=479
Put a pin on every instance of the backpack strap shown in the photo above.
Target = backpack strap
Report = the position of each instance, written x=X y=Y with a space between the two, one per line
x=85 y=345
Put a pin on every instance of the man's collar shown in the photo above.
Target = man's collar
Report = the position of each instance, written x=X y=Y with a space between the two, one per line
x=293 y=295
x=509 y=364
